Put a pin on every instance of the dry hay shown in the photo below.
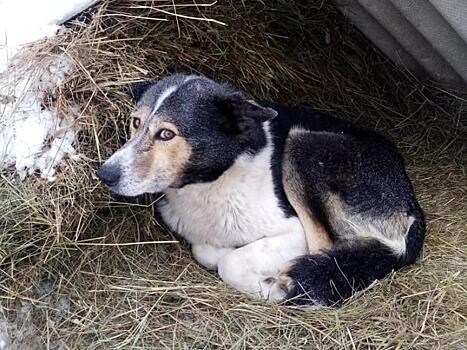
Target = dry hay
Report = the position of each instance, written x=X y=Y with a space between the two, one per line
x=82 y=270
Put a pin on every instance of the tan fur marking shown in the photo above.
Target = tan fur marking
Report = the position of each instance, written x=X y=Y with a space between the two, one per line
x=316 y=235
x=164 y=160
x=142 y=113
x=283 y=280
x=390 y=230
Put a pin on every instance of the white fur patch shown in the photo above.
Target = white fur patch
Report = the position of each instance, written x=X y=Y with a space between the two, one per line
x=251 y=268
x=165 y=94
x=241 y=209
x=191 y=77
x=238 y=208
x=371 y=228
x=208 y=255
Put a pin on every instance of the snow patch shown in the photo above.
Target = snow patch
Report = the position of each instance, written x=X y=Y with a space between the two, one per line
x=4 y=337
x=32 y=137
x=26 y=21
x=19 y=330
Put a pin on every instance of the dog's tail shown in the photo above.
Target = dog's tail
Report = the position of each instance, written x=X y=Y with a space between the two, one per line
x=334 y=275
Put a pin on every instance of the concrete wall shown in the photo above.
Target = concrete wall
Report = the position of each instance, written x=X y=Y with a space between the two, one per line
x=425 y=36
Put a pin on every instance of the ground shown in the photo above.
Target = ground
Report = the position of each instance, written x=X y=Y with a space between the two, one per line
x=83 y=270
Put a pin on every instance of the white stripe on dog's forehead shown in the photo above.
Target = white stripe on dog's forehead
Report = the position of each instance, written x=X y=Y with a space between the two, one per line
x=165 y=94
x=191 y=77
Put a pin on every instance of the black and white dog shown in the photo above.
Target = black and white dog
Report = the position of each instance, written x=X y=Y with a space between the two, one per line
x=287 y=204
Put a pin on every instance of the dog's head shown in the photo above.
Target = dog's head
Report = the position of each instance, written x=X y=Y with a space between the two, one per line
x=185 y=129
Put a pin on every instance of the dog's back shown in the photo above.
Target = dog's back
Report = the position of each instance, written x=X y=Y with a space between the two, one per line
x=350 y=183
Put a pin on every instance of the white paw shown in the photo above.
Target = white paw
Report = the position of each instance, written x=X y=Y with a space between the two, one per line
x=208 y=255
x=276 y=288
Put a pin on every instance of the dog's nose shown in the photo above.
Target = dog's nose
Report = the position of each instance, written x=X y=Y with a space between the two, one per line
x=109 y=174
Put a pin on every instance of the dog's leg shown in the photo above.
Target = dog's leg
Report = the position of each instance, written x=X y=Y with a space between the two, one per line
x=253 y=268
x=208 y=255
x=316 y=235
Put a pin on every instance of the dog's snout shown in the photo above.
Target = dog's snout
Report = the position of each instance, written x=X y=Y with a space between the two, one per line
x=109 y=174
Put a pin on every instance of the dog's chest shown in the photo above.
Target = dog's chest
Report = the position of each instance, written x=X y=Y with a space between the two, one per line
x=238 y=208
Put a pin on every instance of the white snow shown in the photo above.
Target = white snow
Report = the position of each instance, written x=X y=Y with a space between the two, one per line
x=25 y=21
x=32 y=137
x=4 y=337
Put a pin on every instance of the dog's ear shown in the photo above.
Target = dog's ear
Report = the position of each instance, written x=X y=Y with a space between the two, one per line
x=137 y=90
x=238 y=106
x=238 y=113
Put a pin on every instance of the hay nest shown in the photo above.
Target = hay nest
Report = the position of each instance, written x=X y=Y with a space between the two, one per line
x=82 y=270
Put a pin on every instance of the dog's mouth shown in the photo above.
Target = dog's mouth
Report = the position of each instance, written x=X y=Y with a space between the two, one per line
x=121 y=184
x=124 y=190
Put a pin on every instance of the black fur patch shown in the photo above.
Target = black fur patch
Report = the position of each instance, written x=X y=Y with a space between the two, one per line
x=333 y=276
x=241 y=117
x=137 y=90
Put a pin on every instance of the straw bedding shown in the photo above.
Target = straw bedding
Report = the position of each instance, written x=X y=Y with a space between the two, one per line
x=80 y=269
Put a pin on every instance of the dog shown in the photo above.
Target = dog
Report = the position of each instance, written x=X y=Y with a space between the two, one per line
x=288 y=204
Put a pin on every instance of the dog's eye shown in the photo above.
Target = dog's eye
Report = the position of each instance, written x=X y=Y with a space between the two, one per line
x=165 y=135
x=136 y=123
